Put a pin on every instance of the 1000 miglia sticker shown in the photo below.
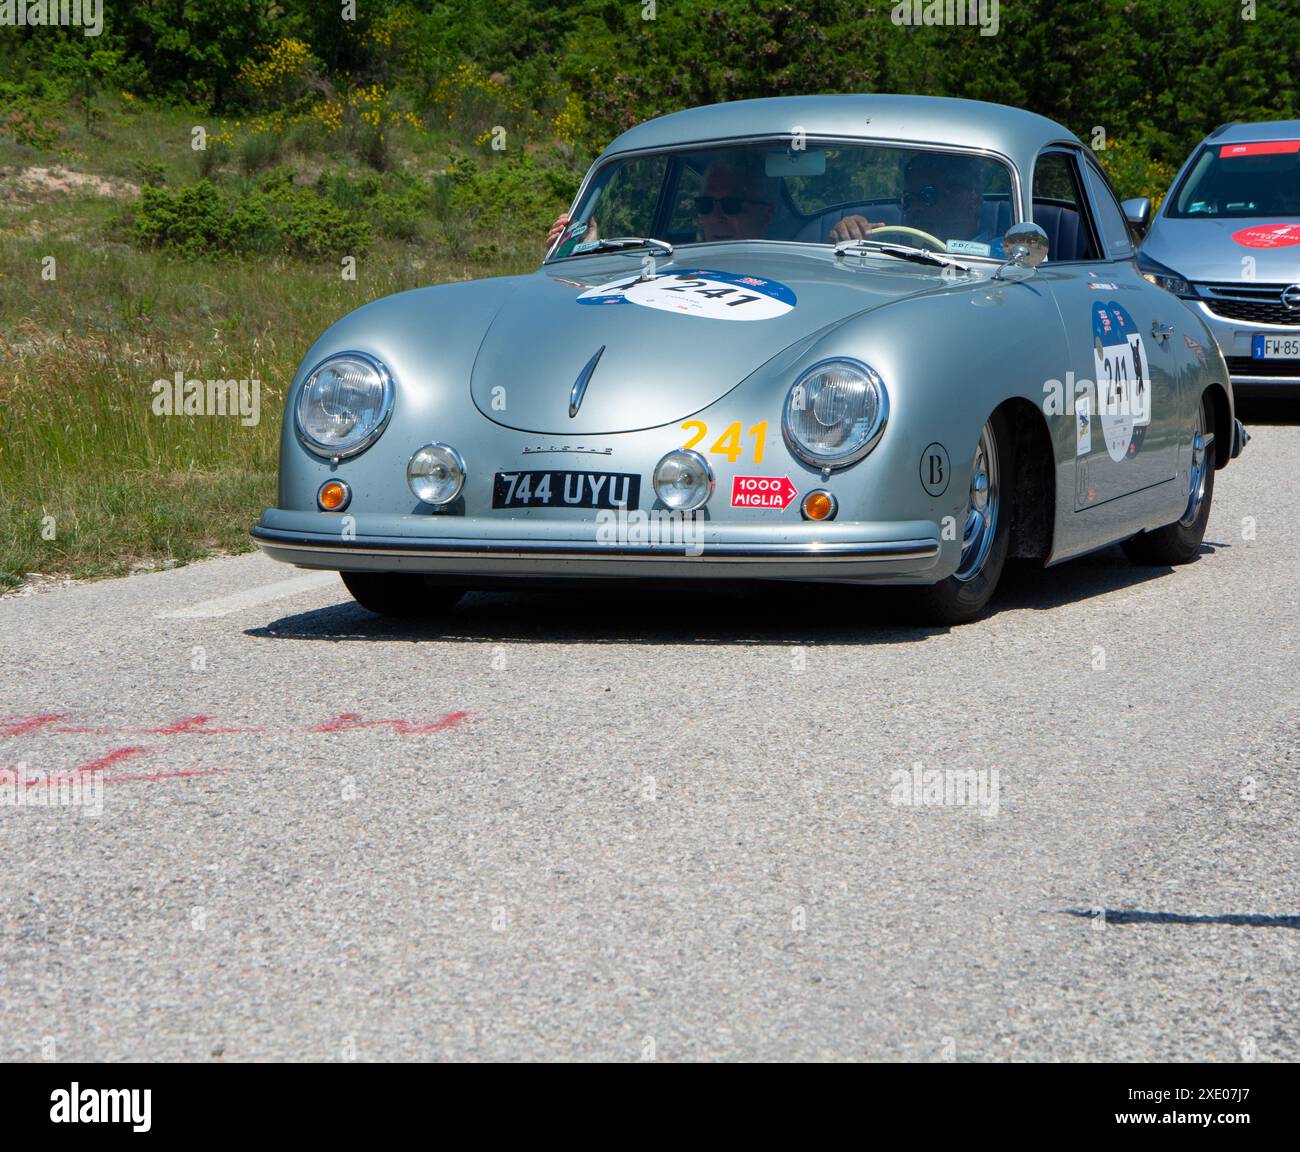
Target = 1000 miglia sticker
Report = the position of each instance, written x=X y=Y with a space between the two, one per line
x=699 y=292
x=1123 y=380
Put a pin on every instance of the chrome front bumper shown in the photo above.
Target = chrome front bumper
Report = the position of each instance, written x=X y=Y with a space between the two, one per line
x=458 y=546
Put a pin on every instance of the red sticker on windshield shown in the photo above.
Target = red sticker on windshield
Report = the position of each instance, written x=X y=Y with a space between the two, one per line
x=1269 y=236
x=1262 y=148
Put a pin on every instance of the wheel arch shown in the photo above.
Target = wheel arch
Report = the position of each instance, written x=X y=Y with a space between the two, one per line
x=1221 y=410
x=1033 y=487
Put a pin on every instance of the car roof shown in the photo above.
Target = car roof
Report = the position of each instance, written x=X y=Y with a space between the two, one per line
x=1238 y=132
x=1013 y=132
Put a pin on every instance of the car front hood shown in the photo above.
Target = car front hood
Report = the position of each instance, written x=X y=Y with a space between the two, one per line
x=670 y=347
x=1202 y=249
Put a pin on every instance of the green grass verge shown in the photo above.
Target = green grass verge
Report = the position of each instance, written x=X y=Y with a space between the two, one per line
x=91 y=480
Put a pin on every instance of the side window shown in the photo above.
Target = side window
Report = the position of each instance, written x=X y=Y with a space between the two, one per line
x=1060 y=210
x=1114 y=228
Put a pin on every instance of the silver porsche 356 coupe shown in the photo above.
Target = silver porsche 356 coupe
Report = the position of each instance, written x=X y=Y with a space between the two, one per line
x=853 y=339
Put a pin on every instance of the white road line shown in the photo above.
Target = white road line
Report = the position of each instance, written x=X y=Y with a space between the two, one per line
x=250 y=597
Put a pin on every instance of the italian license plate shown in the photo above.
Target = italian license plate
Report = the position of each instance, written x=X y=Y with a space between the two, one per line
x=559 y=489
x=1275 y=348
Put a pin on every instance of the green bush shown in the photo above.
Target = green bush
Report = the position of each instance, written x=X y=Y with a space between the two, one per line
x=314 y=227
x=513 y=195
x=276 y=216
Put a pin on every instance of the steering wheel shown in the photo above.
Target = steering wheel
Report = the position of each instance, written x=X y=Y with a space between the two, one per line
x=932 y=242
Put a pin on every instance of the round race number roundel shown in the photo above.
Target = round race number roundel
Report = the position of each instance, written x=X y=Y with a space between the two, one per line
x=1269 y=236
x=699 y=292
x=1123 y=380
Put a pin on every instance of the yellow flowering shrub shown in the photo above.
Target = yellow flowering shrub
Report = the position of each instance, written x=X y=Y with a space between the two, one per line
x=282 y=71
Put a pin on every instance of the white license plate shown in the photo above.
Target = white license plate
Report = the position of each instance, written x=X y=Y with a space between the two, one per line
x=1275 y=348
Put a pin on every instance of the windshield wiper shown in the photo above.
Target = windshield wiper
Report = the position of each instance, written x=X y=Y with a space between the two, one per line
x=618 y=243
x=902 y=251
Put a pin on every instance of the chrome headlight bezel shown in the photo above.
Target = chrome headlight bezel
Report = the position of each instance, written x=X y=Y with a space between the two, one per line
x=1162 y=276
x=334 y=451
x=874 y=432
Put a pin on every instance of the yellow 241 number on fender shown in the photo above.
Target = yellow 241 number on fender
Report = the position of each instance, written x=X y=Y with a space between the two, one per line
x=729 y=444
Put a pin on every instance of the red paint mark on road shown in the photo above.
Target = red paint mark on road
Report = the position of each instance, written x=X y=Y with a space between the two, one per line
x=200 y=725
x=22 y=725
x=352 y=721
x=109 y=758
x=58 y=779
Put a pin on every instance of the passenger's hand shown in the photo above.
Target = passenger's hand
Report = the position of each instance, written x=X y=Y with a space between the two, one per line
x=853 y=228
x=561 y=223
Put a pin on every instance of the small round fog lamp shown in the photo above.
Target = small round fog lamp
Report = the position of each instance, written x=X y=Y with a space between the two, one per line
x=683 y=480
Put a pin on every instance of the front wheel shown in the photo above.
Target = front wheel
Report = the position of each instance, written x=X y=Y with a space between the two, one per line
x=400 y=593
x=986 y=534
x=1180 y=542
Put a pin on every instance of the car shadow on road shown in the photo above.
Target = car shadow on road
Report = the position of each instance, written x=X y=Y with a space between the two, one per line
x=793 y=615
x=1235 y=919
x=1027 y=585
x=797 y=615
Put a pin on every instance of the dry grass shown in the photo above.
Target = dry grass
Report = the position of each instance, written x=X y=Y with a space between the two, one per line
x=91 y=481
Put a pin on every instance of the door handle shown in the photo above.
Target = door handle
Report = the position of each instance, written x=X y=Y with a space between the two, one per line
x=1161 y=332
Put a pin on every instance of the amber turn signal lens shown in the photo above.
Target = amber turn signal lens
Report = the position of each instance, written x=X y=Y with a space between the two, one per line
x=333 y=495
x=819 y=505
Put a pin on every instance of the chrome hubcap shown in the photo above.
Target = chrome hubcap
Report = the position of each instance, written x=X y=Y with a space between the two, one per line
x=1200 y=466
x=982 y=510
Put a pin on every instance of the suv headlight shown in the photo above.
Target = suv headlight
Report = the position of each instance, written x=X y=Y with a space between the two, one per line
x=835 y=413
x=344 y=404
x=1163 y=277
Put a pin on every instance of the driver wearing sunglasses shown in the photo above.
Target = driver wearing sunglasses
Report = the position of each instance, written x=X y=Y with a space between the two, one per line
x=941 y=195
x=733 y=205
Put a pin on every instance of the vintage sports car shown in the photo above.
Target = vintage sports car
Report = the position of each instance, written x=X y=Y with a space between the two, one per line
x=1227 y=240
x=855 y=339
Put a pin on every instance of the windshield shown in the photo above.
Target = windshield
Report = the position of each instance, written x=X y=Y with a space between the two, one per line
x=941 y=201
x=1227 y=180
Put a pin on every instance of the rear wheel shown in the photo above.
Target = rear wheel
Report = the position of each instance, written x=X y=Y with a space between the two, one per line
x=400 y=593
x=1180 y=542
x=986 y=533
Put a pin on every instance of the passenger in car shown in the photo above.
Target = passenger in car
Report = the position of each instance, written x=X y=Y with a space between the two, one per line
x=737 y=203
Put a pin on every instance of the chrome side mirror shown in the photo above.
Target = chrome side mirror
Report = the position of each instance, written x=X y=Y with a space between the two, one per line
x=1025 y=247
x=1138 y=213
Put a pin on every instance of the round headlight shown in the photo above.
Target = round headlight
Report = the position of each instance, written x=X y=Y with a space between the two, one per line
x=683 y=480
x=835 y=413
x=344 y=404
x=436 y=474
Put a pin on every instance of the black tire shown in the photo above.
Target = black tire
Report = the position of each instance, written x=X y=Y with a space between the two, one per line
x=958 y=601
x=400 y=593
x=1180 y=542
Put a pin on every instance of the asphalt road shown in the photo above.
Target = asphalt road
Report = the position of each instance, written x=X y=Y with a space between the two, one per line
x=624 y=827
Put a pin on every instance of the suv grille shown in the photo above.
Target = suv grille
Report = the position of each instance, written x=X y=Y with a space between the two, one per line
x=1273 y=369
x=1255 y=303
